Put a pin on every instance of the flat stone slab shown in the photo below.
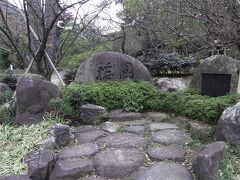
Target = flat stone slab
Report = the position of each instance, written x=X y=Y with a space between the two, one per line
x=118 y=163
x=120 y=115
x=162 y=126
x=111 y=127
x=84 y=128
x=135 y=122
x=171 y=137
x=123 y=140
x=157 y=116
x=85 y=150
x=161 y=153
x=71 y=168
x=89 y=136
x=164 y=171
x=92 y=178
x=15 y=177
x=135 y=129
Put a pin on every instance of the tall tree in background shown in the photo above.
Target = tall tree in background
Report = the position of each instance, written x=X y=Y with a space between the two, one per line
x=186 y=25
x=43 y=16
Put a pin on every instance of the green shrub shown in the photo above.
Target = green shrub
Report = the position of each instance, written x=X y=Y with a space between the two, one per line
x=5 y=97
x=5 y=115
x=69 y=105
x=10 y=81
x=142 y=96
x=70 y=76
x=129 y=95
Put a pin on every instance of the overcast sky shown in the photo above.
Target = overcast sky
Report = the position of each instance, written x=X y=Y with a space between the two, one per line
x=114 y=9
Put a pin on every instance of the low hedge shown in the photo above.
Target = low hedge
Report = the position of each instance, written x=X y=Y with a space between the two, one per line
x=142 y=96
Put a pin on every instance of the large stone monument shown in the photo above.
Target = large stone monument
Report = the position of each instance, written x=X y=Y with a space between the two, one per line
x=112 y=66
x=216 y=76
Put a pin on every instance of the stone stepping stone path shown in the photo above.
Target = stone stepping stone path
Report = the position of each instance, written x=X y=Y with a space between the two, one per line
x=118 y=163
x=138 y=150
x=161 y=153
x=123 y=140
x=168 y=137
x=135 y=129
x=86 y=150
x=162 y=126
x=89 y=136
x=164 y=171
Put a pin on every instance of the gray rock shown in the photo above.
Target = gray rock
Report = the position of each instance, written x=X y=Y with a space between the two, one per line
x=206 y=162
x=182 y=121
x=134 y=123
x=120 y=115
x=135 y=129
x=91 y=113
x=33 y=94
x=200 y=130
x=123 y=140
x=118 y=163
x=111 y=66
x=228 y=126
x=92 y=178
x=169 y=137
x=47 y=144
x=110 y=127
x=170 y=84
x=165 y=171
x=216 y=65
x=85 y=150
x=68 y=169
x=89 y=136
x=4 y=87
x=161 y=153
x=61 y=134
x=157 y=116
x=39 y=163
x=83 y=128
x=15 y=177
x=162 y=126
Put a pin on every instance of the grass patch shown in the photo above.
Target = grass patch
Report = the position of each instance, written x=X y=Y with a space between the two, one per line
x=17 y=141
x=230 y=166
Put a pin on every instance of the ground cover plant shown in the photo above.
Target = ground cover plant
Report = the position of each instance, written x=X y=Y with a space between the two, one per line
x=16 y=141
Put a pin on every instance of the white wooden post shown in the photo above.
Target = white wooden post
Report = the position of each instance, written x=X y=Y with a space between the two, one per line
x=48 y=58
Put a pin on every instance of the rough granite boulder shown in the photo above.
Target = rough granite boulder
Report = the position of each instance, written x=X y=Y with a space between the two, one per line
x=69 y=169
x=39 y=163
x=206 y=162
x=4 y=87
x=170 y=84
x=217 y=64
x=33 y=94
x=111 y=66
x=229 y=125
x=61 y=134
x=91 y=113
